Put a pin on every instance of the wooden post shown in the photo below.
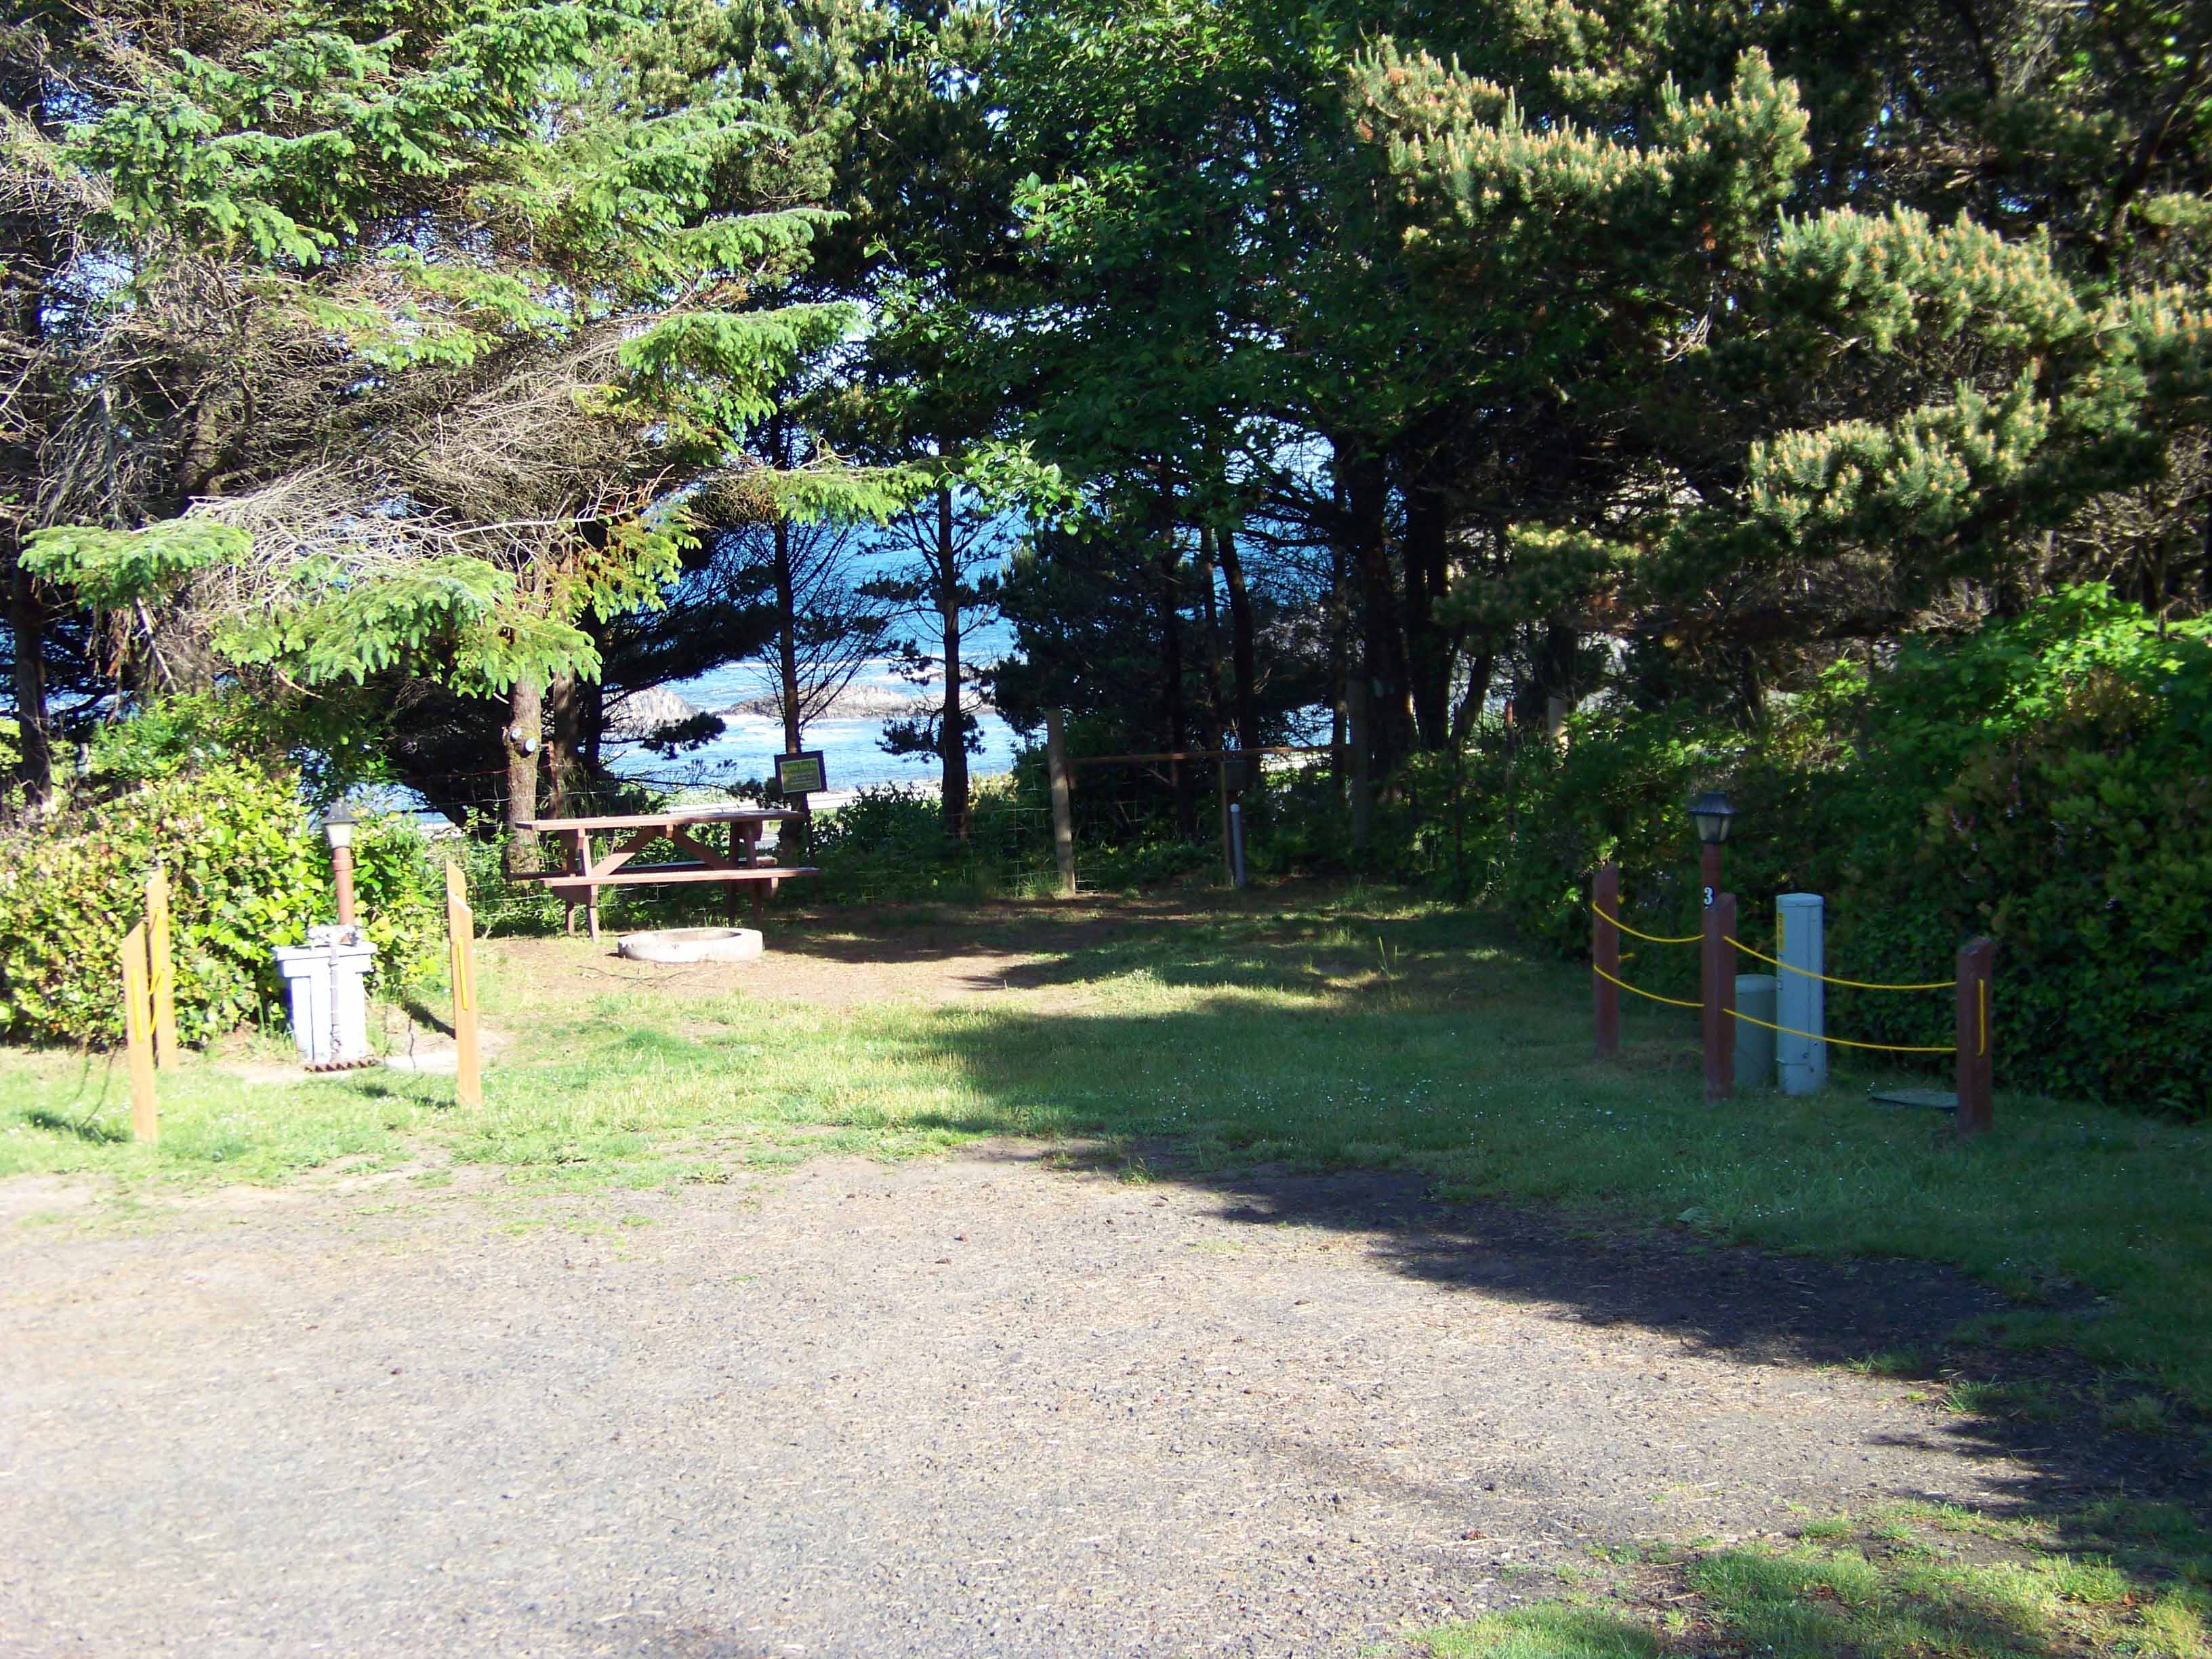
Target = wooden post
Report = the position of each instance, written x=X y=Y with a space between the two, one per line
x=1977 y=1049
x=1605 y=953
x=138 y=1035
x=1063 y=820
x=164 y=969
x=1719 y=998
x=460 y=940
x=1362 y=793
x=1221 y=796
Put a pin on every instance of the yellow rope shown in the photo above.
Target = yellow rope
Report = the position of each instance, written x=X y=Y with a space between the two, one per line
x=1686 y=939
x=1884 y=1048
x=1830 y=979
x=1654 y=995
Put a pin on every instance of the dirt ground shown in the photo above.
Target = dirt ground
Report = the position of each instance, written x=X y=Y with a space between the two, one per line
x=998 y=1403
x=976 y=1405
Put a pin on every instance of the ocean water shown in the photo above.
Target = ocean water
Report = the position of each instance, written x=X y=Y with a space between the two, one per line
x=851 y=749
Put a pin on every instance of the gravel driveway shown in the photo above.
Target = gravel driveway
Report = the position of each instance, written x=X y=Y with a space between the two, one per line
x=973 y=1405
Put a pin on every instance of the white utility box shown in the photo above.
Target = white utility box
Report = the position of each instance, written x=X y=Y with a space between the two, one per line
x=326 y=982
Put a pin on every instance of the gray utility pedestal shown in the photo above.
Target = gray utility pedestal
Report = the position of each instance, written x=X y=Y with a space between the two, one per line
x=326 y=981
x=1800 y=942
x=1754 y=1045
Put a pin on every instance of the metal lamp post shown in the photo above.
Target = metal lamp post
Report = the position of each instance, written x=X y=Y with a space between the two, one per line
x=337 y=828
x=1711 y=813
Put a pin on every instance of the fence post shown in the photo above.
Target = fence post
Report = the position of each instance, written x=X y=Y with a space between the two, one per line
x=1362 y=793
x=1063 y=820
x=164 y=969
x=1605 y=955
x=138 y=1035
x=461 y=960
x=1719 y=1001
x=1235 y=844
x=1977 y=1052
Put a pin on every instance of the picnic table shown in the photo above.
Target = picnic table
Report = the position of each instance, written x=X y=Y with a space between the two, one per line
x=585 y=870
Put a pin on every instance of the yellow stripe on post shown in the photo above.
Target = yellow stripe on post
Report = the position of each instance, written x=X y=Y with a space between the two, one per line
x=138 y=1035
x=164 y=969
x=461 y=967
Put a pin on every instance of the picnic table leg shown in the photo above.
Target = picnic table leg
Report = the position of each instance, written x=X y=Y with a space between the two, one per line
x=752 y=862
x=581 y=840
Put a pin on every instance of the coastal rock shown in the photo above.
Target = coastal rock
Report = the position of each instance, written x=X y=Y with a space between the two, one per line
x=642 y=712
x=854 y=702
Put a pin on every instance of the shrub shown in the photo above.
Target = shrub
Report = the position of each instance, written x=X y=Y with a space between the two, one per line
x=244 y=877
x=2044 y=782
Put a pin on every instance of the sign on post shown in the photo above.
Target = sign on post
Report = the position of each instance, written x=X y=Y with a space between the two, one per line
x=800 y=774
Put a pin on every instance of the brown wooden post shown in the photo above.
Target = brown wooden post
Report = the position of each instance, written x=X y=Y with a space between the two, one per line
x=1977 y=1049
x=1063 y=820
x=1605 y=954
x=1356 y=736
x=138 y=1035
x=163 y=966
x=1221 y=798
x=1719 y=998
x=461 y=964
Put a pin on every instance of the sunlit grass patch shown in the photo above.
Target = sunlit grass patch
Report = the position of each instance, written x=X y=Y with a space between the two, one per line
x=1914 y=1582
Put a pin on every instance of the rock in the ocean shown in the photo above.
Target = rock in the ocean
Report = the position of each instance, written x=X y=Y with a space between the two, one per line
x=640 y=713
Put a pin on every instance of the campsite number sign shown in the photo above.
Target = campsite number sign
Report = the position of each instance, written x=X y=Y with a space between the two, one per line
x=802 y=773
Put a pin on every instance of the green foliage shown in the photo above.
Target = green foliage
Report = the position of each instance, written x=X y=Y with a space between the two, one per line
x=890 y=843
x=399 y=893
x=243 y=874
x=115 y=568
x=2043 y=781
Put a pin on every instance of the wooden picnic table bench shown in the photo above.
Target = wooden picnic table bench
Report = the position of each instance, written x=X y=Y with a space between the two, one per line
x=585 y=870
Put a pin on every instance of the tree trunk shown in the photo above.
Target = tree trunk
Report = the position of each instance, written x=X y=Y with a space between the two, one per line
x=1471 y=705
x=27 y=621
x=1429 y=652
x=1382 y=656
x=525 y=731
x=1244 y=674
x=787 y=640
x=1174 y=718
x=952 y=739
x=564 y=756
x=1550 y=675
x=1210 y=638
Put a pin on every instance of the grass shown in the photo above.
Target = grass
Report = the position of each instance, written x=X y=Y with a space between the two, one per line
x=1911 y=1582
x=1356 y=1031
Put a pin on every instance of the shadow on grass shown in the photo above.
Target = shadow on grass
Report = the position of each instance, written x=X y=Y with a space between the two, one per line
x=86 y=1129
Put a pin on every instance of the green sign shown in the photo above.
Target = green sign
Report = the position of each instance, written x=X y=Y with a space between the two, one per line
x=801 y=774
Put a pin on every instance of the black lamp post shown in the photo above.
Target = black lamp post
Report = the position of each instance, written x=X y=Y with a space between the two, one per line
x=337 y=828
x=1711 y=813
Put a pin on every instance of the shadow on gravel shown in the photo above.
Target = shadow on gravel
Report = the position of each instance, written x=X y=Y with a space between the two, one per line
x=1743 y=1304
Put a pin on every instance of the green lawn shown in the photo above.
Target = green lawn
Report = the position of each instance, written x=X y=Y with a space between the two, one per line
x=1911 y=1582
x=1345 y=1031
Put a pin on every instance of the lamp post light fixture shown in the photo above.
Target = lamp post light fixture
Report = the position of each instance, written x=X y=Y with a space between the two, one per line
x=1711 y=813
x=337 y=828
